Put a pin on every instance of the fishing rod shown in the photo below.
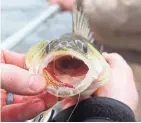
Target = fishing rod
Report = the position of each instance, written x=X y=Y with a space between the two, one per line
x=11 y=41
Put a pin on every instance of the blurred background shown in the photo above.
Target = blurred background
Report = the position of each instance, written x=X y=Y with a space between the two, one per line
x=17 y=13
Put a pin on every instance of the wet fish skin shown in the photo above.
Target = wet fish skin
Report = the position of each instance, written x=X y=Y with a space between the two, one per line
x=67 y=41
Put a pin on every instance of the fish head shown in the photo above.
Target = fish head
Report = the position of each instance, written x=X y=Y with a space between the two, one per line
x=67 y=42
x=71 y=64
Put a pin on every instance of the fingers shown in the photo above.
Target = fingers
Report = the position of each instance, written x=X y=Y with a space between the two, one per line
x=3 y=97
x=17 y=98
x=54 y=1
x=21 y=99
x=117 y=61
x=19 y=81
x=49 y=99
x=113 y=58
x=44 y=95
x=28 y=107
x=13 y=58
x=22 y=111
x=65 y=4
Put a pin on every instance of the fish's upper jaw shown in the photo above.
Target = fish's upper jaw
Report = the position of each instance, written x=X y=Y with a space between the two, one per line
x=62 y=45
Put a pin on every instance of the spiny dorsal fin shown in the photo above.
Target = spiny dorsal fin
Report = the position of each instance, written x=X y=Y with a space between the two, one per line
x=81 y=24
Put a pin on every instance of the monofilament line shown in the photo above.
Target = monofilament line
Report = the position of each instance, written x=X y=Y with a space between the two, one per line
x=75 y=105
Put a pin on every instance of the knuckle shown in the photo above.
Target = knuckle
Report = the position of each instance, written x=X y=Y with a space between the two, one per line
x=116 y=55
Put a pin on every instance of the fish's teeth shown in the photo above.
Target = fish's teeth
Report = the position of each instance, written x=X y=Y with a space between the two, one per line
x=72 y=56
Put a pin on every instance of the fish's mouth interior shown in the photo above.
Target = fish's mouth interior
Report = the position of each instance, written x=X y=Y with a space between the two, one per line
x=68 y=69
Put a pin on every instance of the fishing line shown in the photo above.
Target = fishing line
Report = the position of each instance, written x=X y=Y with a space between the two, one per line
x=75 y=105
x=54 y=64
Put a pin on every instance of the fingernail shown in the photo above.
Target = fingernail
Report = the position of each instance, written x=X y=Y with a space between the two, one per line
x=36 y=83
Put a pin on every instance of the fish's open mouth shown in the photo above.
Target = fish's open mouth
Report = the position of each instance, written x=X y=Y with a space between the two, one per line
x=66 y=69
x=70 y=66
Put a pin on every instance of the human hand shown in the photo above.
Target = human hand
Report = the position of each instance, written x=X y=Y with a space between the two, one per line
x=30 y=97
x=65 y=4
x=121 y=85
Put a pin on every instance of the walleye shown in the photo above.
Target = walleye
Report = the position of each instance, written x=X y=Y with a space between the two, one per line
x=70 y=64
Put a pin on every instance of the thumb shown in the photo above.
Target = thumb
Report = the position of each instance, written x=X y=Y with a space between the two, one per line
x=19 y=81
x=113 y=58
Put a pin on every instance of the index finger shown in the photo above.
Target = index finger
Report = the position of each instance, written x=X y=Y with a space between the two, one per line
x=20 y=81
x=9 y=57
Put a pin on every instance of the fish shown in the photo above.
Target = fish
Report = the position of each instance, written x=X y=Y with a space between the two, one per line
x=70 y=64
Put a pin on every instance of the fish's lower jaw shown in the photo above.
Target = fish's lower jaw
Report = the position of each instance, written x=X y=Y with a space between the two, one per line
x=102 y=80
x=66 y=92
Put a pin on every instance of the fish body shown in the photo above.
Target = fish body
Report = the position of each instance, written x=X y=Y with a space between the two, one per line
x=70 y=64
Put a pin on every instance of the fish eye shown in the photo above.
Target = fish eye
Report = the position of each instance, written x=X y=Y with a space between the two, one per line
x=81 y=45
x=85 y=48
